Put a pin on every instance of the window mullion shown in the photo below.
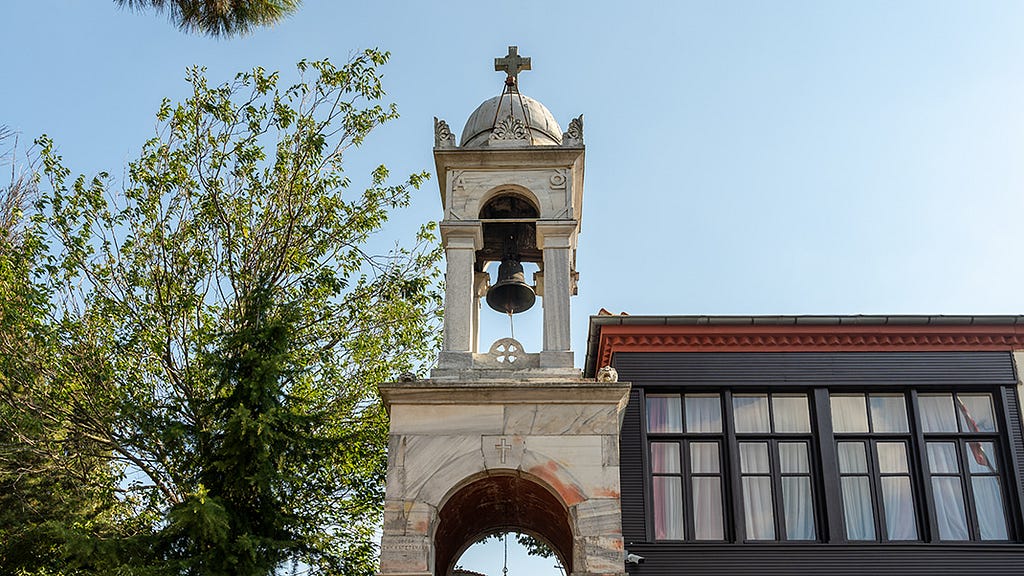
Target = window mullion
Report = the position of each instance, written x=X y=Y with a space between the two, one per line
x=731 y=474
x=877 y=496
x=967 y=487
x=927 y=493
x=775 y=472
x=832 y=500
x=689 y=510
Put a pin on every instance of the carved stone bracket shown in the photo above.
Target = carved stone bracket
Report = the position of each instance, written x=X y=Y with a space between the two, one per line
x=443 y=137
x=574 y=134
x=607 y=374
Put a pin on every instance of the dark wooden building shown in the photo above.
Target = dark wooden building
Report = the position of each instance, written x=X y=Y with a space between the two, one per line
x=819 y=445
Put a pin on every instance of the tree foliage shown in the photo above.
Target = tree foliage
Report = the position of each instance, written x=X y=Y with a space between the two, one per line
x=191 y=361
x=534 y=546
x=218 y=17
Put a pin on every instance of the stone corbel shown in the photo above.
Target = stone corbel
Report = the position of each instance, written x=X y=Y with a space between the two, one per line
x=482 y=281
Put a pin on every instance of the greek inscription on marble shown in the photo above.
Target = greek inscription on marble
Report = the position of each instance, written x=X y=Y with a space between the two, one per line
x=400 y=544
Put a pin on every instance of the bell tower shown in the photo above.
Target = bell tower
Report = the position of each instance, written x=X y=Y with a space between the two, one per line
x=506 y=439
x=512 y=192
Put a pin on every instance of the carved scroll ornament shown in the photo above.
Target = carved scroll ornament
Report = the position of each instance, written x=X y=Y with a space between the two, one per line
x=443 y=137
x=574 y=134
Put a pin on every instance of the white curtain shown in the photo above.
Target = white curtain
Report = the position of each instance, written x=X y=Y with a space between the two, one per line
x=892 y=457
x=799 y=511
x=942 y=458
x=665 y=458
x=703 y=413
x=949 y=508
x=668 y=508
x=704 y=457
x=888 y=413
x=754 y=457
x=707 y=508
x=757 y=506
x=898 y=500
x=937 y=413
x=791 y=413
x=988 y=499
x=664 y=414
x=857 y=509
x=751 y=413
x=852 y=458
x=947 y=491
x=793 y=457
x=849 y=413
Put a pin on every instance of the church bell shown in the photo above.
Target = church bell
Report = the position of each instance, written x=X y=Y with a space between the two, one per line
x=511 y=294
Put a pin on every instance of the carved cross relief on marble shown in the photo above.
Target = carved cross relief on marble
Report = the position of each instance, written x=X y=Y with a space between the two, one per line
x=504 y=447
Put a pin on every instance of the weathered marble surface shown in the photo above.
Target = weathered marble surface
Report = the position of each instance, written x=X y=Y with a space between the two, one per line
x=560 y=419
x=442 y=420
x=562 y=435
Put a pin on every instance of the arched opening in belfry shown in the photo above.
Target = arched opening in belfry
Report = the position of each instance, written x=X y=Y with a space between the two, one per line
x=509 y=226
x=509 y=222
x=497 y=505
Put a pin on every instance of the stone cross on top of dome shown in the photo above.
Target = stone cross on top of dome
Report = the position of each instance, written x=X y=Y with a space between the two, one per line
x=512 y=65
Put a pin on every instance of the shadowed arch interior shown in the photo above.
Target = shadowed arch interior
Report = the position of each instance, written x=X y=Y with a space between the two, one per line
x=509 y=216
x=497 y=504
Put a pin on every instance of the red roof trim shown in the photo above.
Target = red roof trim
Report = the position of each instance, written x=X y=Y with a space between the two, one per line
x=717 y=338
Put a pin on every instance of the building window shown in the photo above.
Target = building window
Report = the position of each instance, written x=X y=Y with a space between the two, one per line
x=685 y=433
x=872 y=442
x=909 y=466
x=773 y=436
x=961 y=440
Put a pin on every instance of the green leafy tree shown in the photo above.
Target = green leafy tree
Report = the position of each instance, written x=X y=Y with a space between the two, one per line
x=57 y=497
x=218 y=17
x=213 y=334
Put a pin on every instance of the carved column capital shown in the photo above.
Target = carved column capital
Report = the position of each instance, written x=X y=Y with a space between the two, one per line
x=462 y=234
x=556 y=233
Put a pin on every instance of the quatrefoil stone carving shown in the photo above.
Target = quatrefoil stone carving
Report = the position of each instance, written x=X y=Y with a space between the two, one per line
x=506 y=351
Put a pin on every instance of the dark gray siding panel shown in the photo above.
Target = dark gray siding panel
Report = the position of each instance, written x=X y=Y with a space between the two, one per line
x=1011 y=408
x=827 y=559
x=829 y=368
x=631 y=473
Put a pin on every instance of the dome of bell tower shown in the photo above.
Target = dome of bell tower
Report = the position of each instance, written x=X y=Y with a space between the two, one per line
x=490 y=121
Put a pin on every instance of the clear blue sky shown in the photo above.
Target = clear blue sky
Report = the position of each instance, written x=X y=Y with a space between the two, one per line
x=742 y=157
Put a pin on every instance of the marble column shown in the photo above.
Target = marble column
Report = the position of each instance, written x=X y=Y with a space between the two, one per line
x=557 y=239
x=461 y=241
